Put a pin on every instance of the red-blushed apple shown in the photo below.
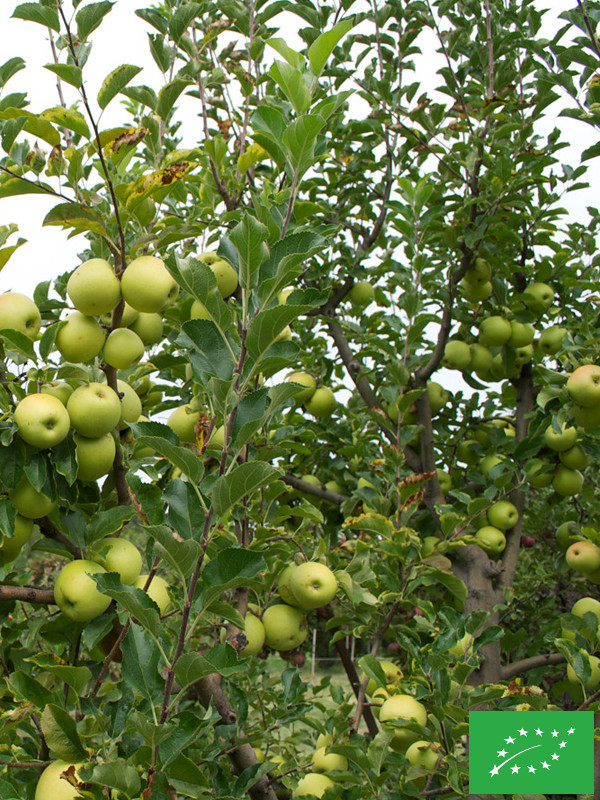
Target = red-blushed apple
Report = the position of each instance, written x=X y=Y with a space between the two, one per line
x=42 y=420
x=119 y=555
x=80 y=338
x=254 y=631
x=583 y=385
x=123 y=348
x=29 y=502
x=95 y=457
x=93 y=288
x=322 y=403
x=583 y=557
x=157 y=591
x=401 y=707
x=527 y=541
x=147 y=285
x=75 y=592
x=285 y=627
x=494 y=331
x=313 y=784
x=503 y=515
x=10 y=546
x=94 y=409
x=567 y=482
x=52 y=786
x=303 y=379
x=19 y=313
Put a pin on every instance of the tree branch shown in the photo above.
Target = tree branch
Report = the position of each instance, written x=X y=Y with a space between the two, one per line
x=527 y=664
x=317 y=491
x=51 y=532
x=28 y=594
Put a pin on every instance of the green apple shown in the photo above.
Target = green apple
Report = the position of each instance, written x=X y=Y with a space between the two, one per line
x=538 y=297
x=437 y=396
x=567 y=533
x=147 y=285
x=199 y=311
x=94 y=409
x=93 y=288
x=457 y=355
x=19 y=313
x=95 y=457
x=216 y=441
x=183 y=421
x=475 y=292
x=149 y=327
x=131 y=405
x=157 y=591
x=521 y=334
x=467 y=451
x=322 y=403
x=551 y=339
x=58 y=389
x=52 y=786
x=29 y=502
x=378 y=698
x=485 y=429
x=285 y=335
x=393 y=675
x=444 y=479
x=303 y=379
x=503 y=515
x=594 y=679
x=42 y=420
x=424 y=753
x=492 y=540
x=10 y=547
x=75 y=592
x=80 y=338
x=403 y=707
x=523 y=355
x=587 y=418
x=494 y=331
x=464 y=646
x=284 y=588
x=326 y=762
x=313 y=585
x=119 y=555
x=283 y=296
x=583 y=557
x=567 y=482
x=560 y=440
x=285 y=627
x=313 y=784
x=254 y=631
x=361 y=294
x=587 y=605
x=539 y=472
x=227 y=278
x=583 y=385
x=487 y=463
x=574 y=458
x=129 y=315
x=123 y=348
x=481 y=360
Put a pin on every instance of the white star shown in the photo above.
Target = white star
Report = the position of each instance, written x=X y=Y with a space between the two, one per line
x=502 y=753
x=510 y=740
x=554 y=757
x=554 y=733
x=562 y=744
x=523 y=732
x=538 y=731
x=494 y=771
x=571 y=731
x=531 y=768
x=515 y=768
x=545 y=765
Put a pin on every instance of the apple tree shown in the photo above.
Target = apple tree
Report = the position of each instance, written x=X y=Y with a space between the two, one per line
x=325 y=372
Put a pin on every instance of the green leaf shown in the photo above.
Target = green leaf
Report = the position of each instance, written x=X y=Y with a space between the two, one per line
x=267 y=325
x=75 y=677
x=135 y=601
x=210 y=353
x=27 y=688
x=199 y=280
x=250 y=416
x=6 y=252
x=154 y=18
x=67 y=118
x=141 y=94
x=141 y=658
x=64 y=458
x=300 y=138
x=60 y=733
x=222 y=659
x=168 y=95
x=15 y=186
x=249 y=241
x=33 y=124
x=115 y=82
x=81 y=218
x=8 y=792
x=182 y=555
x=66 y=72
x=243 y=480
x=19 y=342
x=34 y=12
x=148 y=434
x=232 y=567
x=117 y=774
x=181 y=19
x=285 y=262
x=293 y=58
x=322 y=47
x=10 y=68
x=90 y=17
x=109 y=521
x=291 y=82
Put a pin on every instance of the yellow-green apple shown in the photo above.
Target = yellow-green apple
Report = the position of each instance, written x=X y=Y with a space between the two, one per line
x=95 y=456
x=362 y=293
x=539 y=472
x=403 y=707
x=283 y=296
x=457 y=355
x=149 y=327
x=80 y=338
x=322 y=403
x=285 y=335
x=424 y=754
x=131 y=405
x=10 y=547
x=574 y=458
x=119 y=555
x=567 y=482
x=42 y=420
x=60 y=389
x=587 y=418
x=19 y=313
x=560 y=440
x=494 y=331
x=594 y=679
x=93 y=288
x=587 y=605
x=313 y=784
x=303 y=379
x=199 y=311
x=464 y=646
x=503 y=515
x=393 y=675
x=550 y=341
x=52 y=786
x=183 y=421
x=216 y=440
x=285 y=627
x=475 y=292
x=254 y=631
x=583 y=557
x=157 y=591
x=94 y=409
x=521 y=334
x=583 y=385
x=147 y=285
x=75 y=592
x=129 y=315
x=123 y=348
x=29 y=502
x=284 y=588
x=326 y=762
x=378 y=698
x=538 y=297
x=567 y=533
x=227 y=278
x=313 y=584
x=492 y=540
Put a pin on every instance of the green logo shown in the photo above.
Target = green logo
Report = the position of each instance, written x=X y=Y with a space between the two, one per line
x=531 y=752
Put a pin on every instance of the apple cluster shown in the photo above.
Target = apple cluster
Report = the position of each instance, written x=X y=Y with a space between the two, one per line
x=319 y=401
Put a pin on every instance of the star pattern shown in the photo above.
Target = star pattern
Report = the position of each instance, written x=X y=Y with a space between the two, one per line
x=510 y=740
x=531 y=768
x=545 y=765
x=514 y=768
x=538 y=732
x=501 y=753
x=562 y=744
x=523 y=732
